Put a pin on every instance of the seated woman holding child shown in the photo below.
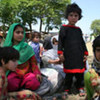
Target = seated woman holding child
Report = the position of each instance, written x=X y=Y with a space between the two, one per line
x=50 y=57
x=27 y=74
x=53 y=68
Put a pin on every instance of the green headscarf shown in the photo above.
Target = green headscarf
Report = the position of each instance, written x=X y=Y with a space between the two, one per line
x=24 y=49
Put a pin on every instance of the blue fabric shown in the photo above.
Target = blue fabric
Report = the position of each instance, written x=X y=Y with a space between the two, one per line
x=36 y=48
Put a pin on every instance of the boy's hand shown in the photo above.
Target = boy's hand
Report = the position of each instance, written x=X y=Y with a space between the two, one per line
x=61 y=57
x=39 y=77
x=85 y=58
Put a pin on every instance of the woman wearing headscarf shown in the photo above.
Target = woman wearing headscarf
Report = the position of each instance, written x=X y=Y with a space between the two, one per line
x=92 y=77
x=50 y=57
x=27 y=75
x=53 y=69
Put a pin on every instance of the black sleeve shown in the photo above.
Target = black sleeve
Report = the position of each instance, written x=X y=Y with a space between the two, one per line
x=84 y=45
x=61 y=41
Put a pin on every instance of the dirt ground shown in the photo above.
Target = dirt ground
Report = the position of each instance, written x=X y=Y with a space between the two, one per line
x=90 y=51
x=90 y=58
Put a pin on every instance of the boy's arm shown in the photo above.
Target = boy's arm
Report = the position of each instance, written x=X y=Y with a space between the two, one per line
x=84 y=46
x=61 y=44
x=85 y=50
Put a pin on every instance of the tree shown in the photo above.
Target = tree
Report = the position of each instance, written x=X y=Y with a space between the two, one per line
x=95 y=26
x=8 y=11
x=27 y=12
x=49 y=12
x=56 y=14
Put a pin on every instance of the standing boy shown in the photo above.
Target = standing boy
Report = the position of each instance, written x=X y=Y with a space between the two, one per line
x=72 y=49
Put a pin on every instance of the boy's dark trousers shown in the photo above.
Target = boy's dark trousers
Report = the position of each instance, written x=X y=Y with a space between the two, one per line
x=69 y=80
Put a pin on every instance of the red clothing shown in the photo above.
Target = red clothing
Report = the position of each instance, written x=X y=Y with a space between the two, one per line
x=25 y=76
x=28 y=66
x=3 y=85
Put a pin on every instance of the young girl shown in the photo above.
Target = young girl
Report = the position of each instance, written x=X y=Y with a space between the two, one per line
x=8 y=61
x=27 y=74
x=36 y=46
x=72 y=49
x=92 y=77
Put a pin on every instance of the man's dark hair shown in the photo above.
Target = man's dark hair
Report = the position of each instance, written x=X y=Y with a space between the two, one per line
x=8 y=53
x=73 y=8
x=96 y=43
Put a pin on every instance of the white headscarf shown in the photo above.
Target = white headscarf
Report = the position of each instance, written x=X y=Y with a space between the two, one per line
x=96 y=65
x=52 y=53
x=55 y=47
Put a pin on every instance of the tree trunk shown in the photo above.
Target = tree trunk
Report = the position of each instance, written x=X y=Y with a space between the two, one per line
x=4 y=30
x=45 y=28
x=48 y=28
x=40 y=25
x=30 y=26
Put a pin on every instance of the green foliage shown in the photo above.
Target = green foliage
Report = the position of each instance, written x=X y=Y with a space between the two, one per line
x=8 y=10
x=55 y=13
x=95 y=26
x=50 y=12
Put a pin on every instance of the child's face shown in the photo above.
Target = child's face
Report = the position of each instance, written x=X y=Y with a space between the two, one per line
x=36 y=39
x=18 y=34
x=11 y=65
x=54 y=41
x=55 y=44
x=97 y=53
x=73 y=17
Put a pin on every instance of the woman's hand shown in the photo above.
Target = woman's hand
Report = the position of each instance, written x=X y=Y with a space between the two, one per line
x=61 y=57
x=39 y=77
x=56 y=61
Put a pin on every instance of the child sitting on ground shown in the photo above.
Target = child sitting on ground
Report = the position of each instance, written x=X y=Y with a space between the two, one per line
x=92 y=77
x=8 y=63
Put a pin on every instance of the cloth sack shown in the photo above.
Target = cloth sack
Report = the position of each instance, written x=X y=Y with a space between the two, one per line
x=54 y=77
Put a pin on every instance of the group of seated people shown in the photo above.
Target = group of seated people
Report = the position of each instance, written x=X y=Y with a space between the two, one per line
x=21 y=75
x=21 y=78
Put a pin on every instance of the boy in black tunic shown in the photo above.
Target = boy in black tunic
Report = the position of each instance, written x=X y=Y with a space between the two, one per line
x=72 y=49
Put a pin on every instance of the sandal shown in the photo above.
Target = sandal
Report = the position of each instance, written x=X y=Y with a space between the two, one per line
x=81 y=92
